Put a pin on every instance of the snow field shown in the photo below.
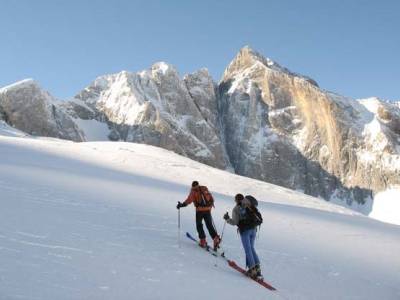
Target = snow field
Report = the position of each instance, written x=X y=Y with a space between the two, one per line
x=98 y=221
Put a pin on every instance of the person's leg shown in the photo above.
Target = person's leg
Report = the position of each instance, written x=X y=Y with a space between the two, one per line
x=210 y=224
x=246 y=242
x=199 y=225
x=253 y=250
x=211 y=229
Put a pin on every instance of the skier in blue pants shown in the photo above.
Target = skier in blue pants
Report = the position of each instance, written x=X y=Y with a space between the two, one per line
x=246 y=217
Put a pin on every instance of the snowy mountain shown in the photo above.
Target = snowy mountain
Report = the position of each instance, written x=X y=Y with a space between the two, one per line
x=27 y=107
x=303 y=137
x=261 y=121
x=156 y=107
x=98 y=221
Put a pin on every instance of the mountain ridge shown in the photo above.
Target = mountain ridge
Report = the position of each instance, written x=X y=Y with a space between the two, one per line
x=261 y=120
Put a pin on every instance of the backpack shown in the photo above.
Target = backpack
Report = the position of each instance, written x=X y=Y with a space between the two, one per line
x=250 y=218
x=254 y=214
x=253 y=201
x=206 y=198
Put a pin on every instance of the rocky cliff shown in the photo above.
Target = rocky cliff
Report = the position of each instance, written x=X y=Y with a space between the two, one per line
x=284 y=129
x=25 y=106
x=159 y=108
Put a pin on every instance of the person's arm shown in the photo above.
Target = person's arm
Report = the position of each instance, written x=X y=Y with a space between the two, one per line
x=189 y=199
x=235 y=217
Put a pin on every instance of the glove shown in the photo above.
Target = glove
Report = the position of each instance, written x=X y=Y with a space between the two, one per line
x=180 y=205
x=226 y=216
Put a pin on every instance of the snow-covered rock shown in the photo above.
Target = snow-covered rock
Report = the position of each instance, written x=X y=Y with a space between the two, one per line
x=379 y=154
x=27 y=107
x=156 y=107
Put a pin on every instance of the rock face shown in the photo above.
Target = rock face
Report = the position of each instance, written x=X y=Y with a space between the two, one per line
x=283 y=128
x=156 y=107
x=27 y=107
x=261 y=121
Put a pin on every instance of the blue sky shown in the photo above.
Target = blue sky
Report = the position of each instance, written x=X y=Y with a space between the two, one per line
x=350 y=47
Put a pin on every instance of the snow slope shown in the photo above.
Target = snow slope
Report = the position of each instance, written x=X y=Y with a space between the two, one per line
x=7 y=130
x=98 y=221
x=387 y=206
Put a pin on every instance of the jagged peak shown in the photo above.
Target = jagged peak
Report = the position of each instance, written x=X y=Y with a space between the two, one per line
x=31 y=84
x=20 y=84
x=247 y=58
x=376 y=101
x=158 y=68
x=200 y=73
x=248 y=51
x=163 y=68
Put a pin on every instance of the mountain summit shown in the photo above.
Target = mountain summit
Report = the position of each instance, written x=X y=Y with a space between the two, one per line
x=249 y=58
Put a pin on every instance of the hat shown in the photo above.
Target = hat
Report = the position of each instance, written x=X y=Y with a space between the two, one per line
x=239 y=197
x=195 y=183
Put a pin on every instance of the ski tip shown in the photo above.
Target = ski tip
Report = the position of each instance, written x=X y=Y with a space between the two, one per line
x=267 y=285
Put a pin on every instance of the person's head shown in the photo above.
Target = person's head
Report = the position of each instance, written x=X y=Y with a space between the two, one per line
x=195 y=184
x=239 y=198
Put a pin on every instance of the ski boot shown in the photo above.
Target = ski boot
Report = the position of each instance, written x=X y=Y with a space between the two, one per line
x=258 y=272
x=252 y=273
x=203 y=243
x=217 y=241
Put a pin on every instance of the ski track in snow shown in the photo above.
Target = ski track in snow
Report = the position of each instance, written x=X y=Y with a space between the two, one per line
x=92 y=221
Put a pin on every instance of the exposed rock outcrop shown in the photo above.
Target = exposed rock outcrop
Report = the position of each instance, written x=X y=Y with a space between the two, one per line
x=313 y=136
x=27 y=107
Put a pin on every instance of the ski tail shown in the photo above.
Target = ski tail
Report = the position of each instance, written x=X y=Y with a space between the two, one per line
x=191 y=237
x=265 y=284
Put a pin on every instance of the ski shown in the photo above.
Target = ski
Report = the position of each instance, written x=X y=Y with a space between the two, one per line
x=232 y=264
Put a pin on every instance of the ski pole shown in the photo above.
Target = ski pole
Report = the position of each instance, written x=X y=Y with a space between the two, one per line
x=179 y=228
x=223 y=229
x=220 y=242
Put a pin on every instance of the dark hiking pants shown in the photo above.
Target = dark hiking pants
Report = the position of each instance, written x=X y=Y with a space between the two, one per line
x=206 y=215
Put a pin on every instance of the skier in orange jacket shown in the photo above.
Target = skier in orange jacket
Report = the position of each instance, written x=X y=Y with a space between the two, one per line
x=204 y=202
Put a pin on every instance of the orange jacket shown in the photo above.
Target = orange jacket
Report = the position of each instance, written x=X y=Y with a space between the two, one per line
x=197 y=194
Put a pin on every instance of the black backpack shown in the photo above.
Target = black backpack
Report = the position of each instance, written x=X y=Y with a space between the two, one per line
x=254 y=214
x=253 y=201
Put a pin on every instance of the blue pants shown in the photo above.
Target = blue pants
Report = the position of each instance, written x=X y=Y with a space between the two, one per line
x=248 y=237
